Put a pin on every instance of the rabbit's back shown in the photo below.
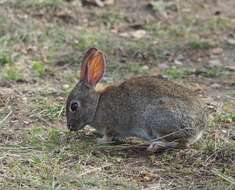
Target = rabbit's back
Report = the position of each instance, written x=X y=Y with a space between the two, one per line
x=153 y=86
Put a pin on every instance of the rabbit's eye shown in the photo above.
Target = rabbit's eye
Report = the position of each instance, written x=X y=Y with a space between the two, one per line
x=74 y=106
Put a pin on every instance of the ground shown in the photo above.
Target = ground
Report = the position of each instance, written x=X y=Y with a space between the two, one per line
x=42 y=43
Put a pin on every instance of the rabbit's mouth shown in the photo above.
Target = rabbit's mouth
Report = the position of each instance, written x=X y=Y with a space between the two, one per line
x=73 y=127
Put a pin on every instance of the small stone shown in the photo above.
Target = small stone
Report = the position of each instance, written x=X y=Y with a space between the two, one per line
x=180 y=57
x=217 y=51
x=108 y=2
x=26 y=122
x=124 y=34
x=231 y=41
x=65 y=86
x=224 y=131
x=215 y=85
x=214 y=62
x=98 y=3
x=138 y=34
x=145 y=67
x=163 y=66
x=178 y=62
x=119 y=159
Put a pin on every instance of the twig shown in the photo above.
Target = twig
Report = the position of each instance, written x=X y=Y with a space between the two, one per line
x=226 y=178
x=5 y=118
x=209 y=157
x=16 y=147
x=230 y=187
x=93 y=170
x=61 y=111
x=229 y=97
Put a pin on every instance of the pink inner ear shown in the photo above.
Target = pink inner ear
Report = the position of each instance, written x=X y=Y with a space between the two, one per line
x=83 y=69
x=96 y=68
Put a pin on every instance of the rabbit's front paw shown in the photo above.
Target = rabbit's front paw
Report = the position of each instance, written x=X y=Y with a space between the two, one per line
x=104 y=140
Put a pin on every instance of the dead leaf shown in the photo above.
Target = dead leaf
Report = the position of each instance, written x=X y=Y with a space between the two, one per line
x=6 y=94
x=147 y=176
x=155 y=71
x=100 y=3
x=217 y=51
x=231 y=41
x=216 y=86
x=108 y=2
x=214 y=62
x=138 y=34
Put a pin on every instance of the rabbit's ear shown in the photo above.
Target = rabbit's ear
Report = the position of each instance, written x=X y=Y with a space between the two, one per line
x=83 y=70
x=95 y=67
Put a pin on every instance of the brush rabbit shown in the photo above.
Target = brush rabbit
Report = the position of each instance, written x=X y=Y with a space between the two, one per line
x=148 y=107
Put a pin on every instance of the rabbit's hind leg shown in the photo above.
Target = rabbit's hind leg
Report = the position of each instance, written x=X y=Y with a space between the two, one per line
x=105 y=139
x=108 y=137
x=156 y=145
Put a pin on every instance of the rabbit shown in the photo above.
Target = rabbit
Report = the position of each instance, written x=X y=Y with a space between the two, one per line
x=148 y=107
